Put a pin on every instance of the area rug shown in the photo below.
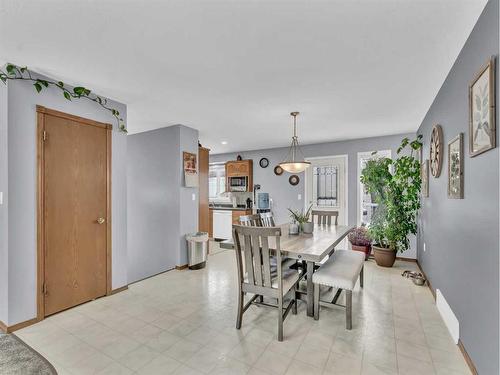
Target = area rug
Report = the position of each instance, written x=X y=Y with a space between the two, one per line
x=17 y=358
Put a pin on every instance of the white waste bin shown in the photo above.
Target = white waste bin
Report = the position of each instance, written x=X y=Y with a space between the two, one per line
x=197 y=247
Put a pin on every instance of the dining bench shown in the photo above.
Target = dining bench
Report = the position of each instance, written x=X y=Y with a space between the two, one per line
x=340 y=271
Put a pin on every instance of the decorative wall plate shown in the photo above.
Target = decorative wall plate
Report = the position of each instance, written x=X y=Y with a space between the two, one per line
x=436 y=150
x=294 y=179
x=278 y=171
x=264 y=162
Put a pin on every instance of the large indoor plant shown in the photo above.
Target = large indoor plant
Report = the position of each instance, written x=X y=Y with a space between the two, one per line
x=395 y=187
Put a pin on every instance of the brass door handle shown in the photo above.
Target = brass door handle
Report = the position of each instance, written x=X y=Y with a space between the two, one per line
x=100 y=220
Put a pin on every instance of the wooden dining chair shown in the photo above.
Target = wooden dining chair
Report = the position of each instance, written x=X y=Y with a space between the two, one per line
x=325 y=217
x=255 y=272
x=250 y=220
x=267 y=219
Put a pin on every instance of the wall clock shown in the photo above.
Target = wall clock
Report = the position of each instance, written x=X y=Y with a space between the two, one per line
x=436 y=150
x=294 y=179
x=264 y=162
x=278 y=171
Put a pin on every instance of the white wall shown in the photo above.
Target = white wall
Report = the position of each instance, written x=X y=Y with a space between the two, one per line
x=22 y=101
x=4 y=256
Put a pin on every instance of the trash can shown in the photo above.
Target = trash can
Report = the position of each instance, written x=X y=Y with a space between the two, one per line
x=197 y=249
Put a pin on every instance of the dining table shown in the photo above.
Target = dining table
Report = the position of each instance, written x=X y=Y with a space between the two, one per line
x=309 y=248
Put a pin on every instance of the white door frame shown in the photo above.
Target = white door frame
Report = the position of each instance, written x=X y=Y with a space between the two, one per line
x=346 y=184
x=358 y=182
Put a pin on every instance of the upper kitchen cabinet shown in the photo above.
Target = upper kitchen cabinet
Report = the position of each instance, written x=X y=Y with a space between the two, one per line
x=239 y=175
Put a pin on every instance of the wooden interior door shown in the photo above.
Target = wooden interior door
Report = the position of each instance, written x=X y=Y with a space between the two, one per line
x=75 y=168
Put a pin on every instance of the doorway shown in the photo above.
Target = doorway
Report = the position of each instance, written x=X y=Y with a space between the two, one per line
x=365 y=206
x=325 y=185
x=74 y=210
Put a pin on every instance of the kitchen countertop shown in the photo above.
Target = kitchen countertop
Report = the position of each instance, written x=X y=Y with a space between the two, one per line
x=229 y=208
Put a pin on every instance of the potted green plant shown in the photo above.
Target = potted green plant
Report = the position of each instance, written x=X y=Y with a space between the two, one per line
x=302 y=219
x=361 y=241
x=395 y=187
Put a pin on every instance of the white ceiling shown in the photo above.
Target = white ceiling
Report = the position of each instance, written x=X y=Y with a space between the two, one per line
x=235 y=69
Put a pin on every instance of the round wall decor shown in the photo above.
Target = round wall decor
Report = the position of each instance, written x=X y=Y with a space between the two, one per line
x=264 y=162
x=436 y=150
x=294 y=179
x=278 y=171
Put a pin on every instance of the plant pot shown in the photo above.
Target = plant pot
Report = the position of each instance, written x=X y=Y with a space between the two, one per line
x=293 y=228
x=308 y=227
x=364 y=249
x=383 y=256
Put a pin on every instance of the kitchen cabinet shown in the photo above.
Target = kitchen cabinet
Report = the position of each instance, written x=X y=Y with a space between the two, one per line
x=211 y=224
x=238 y=213
x=239 y=170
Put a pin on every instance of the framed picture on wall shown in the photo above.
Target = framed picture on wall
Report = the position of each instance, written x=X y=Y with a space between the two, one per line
x=190 y=172
x=424 y=174
x=456 y=168
x=482 y=127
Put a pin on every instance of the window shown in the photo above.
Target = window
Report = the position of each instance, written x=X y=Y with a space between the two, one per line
x=216 y=181
x=325 y=186
x=366 y=207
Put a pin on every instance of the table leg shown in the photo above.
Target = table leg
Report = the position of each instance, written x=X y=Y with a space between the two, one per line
x=310 y=289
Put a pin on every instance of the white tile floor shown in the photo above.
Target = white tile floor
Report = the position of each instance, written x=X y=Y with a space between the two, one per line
x=182 y=322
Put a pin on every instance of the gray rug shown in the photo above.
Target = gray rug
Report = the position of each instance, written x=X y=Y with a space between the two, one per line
x=17 y=358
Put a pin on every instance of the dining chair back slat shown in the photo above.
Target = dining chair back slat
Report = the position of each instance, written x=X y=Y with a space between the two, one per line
x=250 y=220
x=325 y=217
x=267 y=219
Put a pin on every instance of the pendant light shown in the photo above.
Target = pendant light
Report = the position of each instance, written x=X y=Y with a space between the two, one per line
x=294 y=162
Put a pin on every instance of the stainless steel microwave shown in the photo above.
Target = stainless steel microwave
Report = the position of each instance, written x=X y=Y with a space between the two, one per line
x=238 y=183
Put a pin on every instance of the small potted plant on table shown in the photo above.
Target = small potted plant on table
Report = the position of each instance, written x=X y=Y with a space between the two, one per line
x=302 y=219
x=395 y=187
x=361 y=241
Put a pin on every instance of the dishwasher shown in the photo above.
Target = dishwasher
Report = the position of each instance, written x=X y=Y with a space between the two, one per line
x=223 y=224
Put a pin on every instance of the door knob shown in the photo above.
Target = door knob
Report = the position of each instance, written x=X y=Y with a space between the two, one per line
x=100 y=220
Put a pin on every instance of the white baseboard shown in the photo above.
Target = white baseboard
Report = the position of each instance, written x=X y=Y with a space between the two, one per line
x=448 y=316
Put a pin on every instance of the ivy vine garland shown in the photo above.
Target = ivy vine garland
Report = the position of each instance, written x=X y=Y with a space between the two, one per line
x=16 y=73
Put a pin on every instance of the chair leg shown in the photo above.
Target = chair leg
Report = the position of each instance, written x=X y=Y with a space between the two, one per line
x=348 y=309
x=294 y=307
x=239 y=316
x=361 y=276
x=316 y=301
x=280 y=318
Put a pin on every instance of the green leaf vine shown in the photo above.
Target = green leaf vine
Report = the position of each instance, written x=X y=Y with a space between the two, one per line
x=15 y=73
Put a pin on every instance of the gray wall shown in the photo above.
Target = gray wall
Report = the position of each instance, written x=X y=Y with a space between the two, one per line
x=4 y=256
x=188 y=217
x=160 y=209
x=22 y=101
x=461 y=236
x=284 y=195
